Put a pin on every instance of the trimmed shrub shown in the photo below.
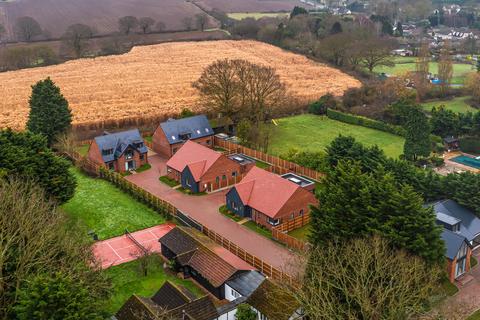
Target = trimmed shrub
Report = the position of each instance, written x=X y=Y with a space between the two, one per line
x=321 y=106
x=470 y=145
x=365 y=122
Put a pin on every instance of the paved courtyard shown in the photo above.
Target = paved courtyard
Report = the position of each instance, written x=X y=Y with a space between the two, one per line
x=204 y=209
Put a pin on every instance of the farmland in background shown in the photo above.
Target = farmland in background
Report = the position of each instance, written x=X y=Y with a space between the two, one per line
x=250 y=5
x=55 y=16
x=153 y=80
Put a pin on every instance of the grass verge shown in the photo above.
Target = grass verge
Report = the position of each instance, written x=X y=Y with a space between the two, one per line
x=127 y=279
x=261 y=164
x=169 y=182
x=144 y=167
x=106 y=209
x=256 y=228
x=229 y=214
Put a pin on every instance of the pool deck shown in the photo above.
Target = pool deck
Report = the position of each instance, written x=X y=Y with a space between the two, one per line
x=452 y=166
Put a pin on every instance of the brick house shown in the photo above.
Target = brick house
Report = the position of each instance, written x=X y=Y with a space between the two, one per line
x=211 y=265
x=200 y=168
x=461 y=234
x=172 y=134
x=269 y=199
x=120 y=151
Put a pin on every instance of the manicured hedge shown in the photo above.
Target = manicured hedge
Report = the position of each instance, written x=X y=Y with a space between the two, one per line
x=365 y=122
x=470 y=145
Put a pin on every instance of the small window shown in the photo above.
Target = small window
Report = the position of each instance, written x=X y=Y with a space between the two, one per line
x=106 y=152
x=208 y=141
x=187 y=182
x=234 y=173
x=273 y=222
x=224 y=177
x=235 y=294
x=142 y=156
x=217 y=179
x=300 y=214
x=292 y=216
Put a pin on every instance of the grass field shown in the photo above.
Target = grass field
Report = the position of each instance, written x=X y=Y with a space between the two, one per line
x=475 y=316
x=257 y=15
x=301 y=233
x=155 y=81
x=107 y=210
x=405 y=64
x=314 y=133
x=127 y=280
x=458 y=105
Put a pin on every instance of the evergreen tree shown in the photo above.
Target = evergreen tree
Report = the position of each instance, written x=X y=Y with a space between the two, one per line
x=57 y=297
x=26 y=155
x=336 y=28
x=444 y=122
x=49 y=112
x=417 y=137
x=298 y=11
x=356 y=204
x=399 y=29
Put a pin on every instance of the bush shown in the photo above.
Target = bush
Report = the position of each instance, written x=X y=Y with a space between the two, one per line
x=320 y=106
x=359 y=96
x=470 y=145
x=365 y=122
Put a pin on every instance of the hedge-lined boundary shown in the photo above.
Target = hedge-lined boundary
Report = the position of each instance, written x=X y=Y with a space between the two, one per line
x=365 y=122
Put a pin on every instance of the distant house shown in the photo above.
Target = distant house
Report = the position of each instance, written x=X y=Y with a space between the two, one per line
x=451 y=143
x=171 y=302
x=120 y=151
x=214 y=267
x=200 y=169
x=172 y=134
x=269 y=199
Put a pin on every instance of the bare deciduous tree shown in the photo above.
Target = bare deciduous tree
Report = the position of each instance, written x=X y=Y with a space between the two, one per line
x=201 y=21
x=363 y=279
x=27 y=28
x=377 y=52
x=146 y=24
x=187 y=23
x=127 y=24
x=161 y=26
x=76 y=38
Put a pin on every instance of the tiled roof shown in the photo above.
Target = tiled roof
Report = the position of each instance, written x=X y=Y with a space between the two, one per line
x=469 y=222
x=200 y=309
x=198 y=158
x=196 y=127
x=170 y=297
x=194 y=249
x=267 y=192
x=119 y=142
x=453 y=242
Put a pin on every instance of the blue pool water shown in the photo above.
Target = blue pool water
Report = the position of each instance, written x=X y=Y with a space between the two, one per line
x=471 y=162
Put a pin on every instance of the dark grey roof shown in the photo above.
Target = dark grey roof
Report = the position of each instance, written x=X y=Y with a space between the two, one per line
x=450 y=139
x=170 y=297
x=246 y=283
x=196 y=126
x=453 y=242
x=470 y=223
x=119 y=142
x=177 y=241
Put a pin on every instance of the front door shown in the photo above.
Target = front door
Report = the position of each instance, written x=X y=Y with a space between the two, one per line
x=130 y=165
x=460 y=267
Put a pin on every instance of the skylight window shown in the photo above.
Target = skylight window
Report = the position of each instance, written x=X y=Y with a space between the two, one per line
x=173 y=138
x=206 y=129
x=198 y=131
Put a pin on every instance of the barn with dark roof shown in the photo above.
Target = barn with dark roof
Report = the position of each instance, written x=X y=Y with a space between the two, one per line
x=172 y=134
x=120 y=151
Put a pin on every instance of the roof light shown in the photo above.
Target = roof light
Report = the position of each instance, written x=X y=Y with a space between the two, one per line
x=295 y=180
x=206 y=129
x=198 y=131
x=173 y=138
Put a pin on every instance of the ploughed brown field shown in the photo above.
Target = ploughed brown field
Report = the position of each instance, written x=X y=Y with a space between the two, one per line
x=153 y=80
x=54 y=16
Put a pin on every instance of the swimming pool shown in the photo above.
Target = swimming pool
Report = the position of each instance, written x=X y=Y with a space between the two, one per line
x=471 y=162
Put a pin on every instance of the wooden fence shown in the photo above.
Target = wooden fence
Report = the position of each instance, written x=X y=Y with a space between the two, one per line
x=289 y=241
x=169 y=210
x=295 y=223
x=281 y=164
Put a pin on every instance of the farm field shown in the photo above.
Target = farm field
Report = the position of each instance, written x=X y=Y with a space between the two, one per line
x=458 y=105
x=54 y=16
x=127 y=279
x=107 y=210
x=314 y=133
x=151 y=81
x=230 y=6
x=257 y=15
x=406 y=64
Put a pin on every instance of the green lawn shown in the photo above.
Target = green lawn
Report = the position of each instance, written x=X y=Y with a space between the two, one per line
x=475 y=316
x=168 y=181
x=106 y=209
x=405 y=64
x=256 y=15
x=314 y=133
x=127 y=279
x=83 y=149
x=458 y=105
x=301 y=233
x=256 y=228
x=261 y=164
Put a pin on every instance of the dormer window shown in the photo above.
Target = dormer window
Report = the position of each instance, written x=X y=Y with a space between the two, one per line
x=185 y=136
x=456 y=227
x=106 y=152
x=139 y=145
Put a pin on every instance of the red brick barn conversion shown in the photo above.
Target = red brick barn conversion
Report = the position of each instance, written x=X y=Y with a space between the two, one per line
x=200 y=169
x=269 y=199
x=172 y=134
x=120 y=151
